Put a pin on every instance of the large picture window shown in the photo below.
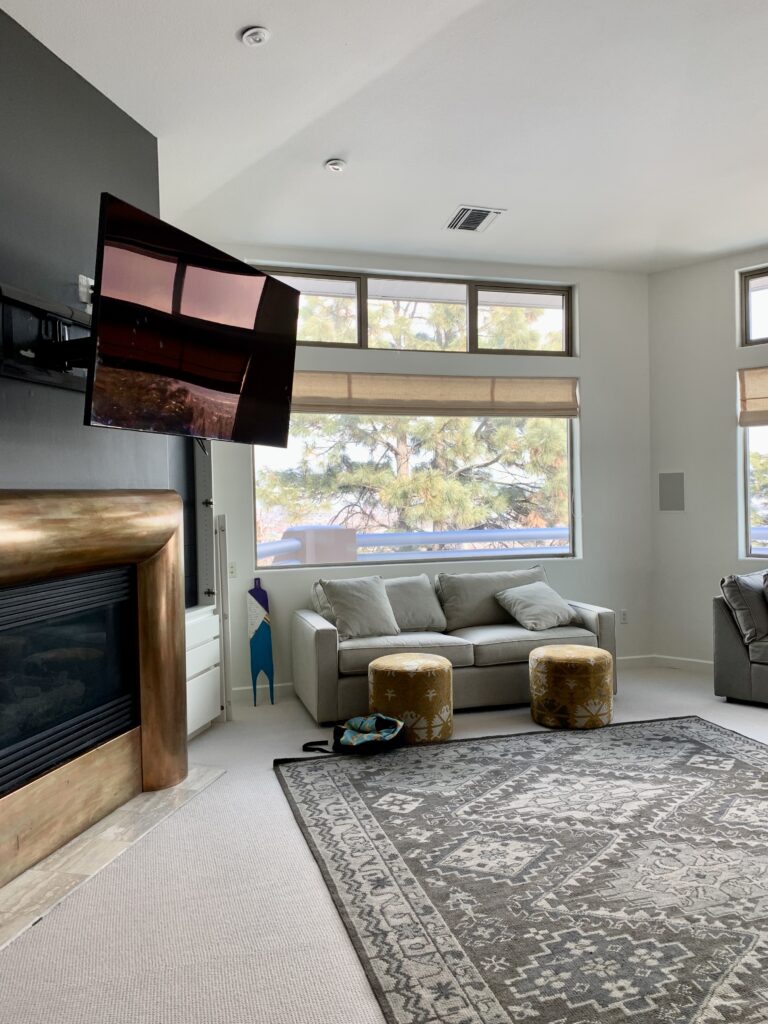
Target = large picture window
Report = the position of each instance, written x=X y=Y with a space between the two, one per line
x=757 y=491
x=406 y=314
x=383 y=488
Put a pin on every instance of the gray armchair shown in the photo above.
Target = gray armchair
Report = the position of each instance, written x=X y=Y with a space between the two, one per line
x=741 y=669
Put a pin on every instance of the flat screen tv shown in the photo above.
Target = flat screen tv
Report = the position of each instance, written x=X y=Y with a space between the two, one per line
x=188 y=340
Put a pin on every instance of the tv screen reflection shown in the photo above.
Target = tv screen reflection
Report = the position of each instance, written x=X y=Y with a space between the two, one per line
x=189 y=340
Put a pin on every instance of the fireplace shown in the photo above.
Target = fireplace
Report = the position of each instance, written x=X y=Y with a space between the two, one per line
x=92 y=673
x=68 y=669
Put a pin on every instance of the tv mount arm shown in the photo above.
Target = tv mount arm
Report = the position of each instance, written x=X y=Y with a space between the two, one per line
x=49 y=342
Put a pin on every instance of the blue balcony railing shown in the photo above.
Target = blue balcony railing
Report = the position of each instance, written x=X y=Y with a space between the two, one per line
x=318 y=545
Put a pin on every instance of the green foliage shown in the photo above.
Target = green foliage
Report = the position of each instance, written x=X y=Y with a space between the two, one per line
x=328 y=318
x=758 y=488
x=408 y=324
x=509 y=327
x=422 y=473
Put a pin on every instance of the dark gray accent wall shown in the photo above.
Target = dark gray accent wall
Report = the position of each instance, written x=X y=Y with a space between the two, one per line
x=62 y=143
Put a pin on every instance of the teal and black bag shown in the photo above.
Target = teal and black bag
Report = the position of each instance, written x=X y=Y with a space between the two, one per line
x=365 y=734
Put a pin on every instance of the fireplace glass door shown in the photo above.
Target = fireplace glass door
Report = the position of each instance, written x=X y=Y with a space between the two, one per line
x=68 y=669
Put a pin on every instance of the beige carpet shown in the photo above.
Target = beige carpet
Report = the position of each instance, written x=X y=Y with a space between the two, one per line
x=220 y=915
x=204 y=921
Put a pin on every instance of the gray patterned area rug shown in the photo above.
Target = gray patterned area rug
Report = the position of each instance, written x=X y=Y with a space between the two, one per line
x=614 y=875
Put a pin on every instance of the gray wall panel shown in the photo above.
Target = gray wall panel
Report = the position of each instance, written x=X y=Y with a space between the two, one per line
x=61 y=144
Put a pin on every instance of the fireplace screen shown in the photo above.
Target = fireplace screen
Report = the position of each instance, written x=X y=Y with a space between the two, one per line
x=68 y=669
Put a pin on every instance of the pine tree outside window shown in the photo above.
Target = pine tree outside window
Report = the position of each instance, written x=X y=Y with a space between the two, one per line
x=404 y=314
x=757 y=491
x=357 y=488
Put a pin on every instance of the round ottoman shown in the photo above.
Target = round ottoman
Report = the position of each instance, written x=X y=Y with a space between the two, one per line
x=571 y=686
x=417 y=689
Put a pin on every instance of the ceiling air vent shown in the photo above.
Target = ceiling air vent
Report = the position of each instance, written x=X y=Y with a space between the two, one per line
x=473 y=218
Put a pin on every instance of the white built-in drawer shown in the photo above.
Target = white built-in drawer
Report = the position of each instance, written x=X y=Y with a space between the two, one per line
x=201 y=658
x=203 y=699
x=202 y=625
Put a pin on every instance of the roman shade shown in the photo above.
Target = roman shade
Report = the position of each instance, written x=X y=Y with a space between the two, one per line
x=418 y=395
x=753 y=397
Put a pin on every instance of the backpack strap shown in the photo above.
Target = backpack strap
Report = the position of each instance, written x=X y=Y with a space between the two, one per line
x=316 y=747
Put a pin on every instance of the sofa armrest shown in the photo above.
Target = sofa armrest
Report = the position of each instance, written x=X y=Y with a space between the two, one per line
x=733 y=671
x=601 y=622
x=315 y=655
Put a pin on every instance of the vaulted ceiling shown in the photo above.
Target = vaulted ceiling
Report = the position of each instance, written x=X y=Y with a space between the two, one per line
x=628 y=134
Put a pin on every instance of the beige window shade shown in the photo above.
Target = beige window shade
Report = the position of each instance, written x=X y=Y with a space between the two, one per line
x=406 y=394
x=753 y=397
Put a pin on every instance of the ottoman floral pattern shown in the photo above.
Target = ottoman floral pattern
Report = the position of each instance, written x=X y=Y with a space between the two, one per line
x=417 y=689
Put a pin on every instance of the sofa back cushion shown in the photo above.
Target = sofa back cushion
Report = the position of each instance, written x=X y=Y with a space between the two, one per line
x=469 y=598
x=745 y=597
x=413 y=600
x=415 y=603
x=361 y=607
x=320 y=602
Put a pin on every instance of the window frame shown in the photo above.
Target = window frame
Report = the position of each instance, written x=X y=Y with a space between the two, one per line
x=361 y=292
x=473 y=286
x=450 y=556
x=745 y=276
x=565 y=291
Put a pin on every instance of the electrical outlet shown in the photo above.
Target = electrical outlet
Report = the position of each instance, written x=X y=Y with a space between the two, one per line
x=623 y=617
x=233 y=570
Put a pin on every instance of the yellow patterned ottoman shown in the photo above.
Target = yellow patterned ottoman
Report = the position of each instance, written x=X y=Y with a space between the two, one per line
x=571 y=686
x=417 y=689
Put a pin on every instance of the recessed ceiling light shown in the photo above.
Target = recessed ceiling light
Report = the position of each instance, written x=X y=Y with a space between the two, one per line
x=335 y=164
x=256 y=35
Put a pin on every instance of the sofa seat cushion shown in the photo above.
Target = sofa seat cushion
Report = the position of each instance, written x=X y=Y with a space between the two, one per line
x=505 y=645
x=758 y=652
x=355 y=655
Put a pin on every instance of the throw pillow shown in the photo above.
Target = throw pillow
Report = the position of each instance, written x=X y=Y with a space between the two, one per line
x=361 y=607
x=536 y=606
x=469 y=598
x=321 y=604
x=745 y=597
x=415 y=603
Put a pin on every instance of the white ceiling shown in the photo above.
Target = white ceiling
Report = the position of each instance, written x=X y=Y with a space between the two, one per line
x=628 y=134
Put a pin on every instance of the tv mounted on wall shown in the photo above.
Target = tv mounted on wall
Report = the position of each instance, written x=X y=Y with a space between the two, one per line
x=188 y=340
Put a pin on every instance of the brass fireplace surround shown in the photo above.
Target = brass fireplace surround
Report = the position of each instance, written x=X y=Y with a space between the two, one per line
x=48 y=534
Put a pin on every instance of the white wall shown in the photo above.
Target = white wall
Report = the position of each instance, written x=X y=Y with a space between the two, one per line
x=613 y=567
x=694 y=360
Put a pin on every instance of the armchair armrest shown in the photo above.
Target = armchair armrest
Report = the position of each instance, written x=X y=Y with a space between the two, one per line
x=733 y=671
x=601 y=622
x=315 y=655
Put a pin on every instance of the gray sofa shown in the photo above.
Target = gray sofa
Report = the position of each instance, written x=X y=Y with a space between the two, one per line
x=488 y=650
x=741 y=639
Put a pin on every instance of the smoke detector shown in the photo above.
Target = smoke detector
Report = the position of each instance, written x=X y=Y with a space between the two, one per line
x=473 y=218
x=256 y=35
x=335 y=164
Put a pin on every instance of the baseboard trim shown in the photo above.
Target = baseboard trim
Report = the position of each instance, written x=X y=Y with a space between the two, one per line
x=244 y=694
x=664 y=661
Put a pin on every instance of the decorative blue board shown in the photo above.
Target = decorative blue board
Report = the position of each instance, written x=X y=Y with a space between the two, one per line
x=260 y=640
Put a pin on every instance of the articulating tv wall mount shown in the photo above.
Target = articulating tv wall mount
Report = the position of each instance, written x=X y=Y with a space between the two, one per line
x=43 y=342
